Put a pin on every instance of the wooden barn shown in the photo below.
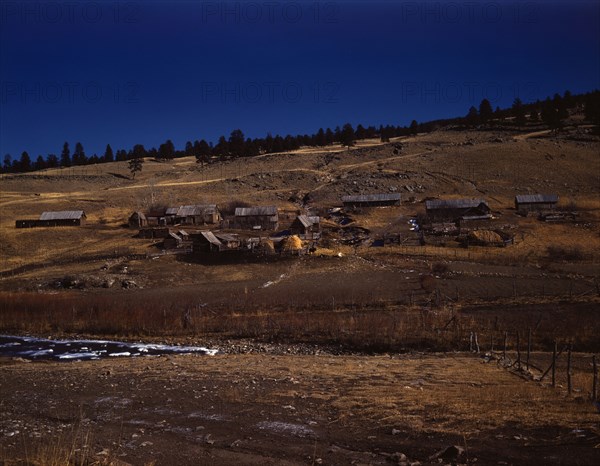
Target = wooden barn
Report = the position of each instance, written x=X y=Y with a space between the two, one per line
x=256 y=218
x=62 y=218
x=306 y=225
x=156 y=218
x=229 y=241
x=138 y=220
x=525 y=203
x=197 y=215
x=371 y=200
x=205 y=242
x=441 y=210
x=178 y=240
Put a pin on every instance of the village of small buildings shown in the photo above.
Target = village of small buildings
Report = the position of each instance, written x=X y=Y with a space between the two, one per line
x=269 y=231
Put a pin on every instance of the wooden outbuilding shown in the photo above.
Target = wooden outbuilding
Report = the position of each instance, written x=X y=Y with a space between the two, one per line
x=197 y=215
x=61 y=218
x=371 y=200
x=138 y=220
x=525 y=203
x=306 y=225
x=441 y=210
x=256 y=218
x=205 y=241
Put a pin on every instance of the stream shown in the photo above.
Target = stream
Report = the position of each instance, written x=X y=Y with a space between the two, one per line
x=78 y=350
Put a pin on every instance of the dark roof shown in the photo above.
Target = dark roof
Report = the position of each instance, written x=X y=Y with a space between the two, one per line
x=139 y=215
x=453 y=203
x=256 y=211
x=227 y=237
x=63 y=215
x=371 y=198
x=536 y=198
x=191 y=210
x=211 y=238
x=308 y=221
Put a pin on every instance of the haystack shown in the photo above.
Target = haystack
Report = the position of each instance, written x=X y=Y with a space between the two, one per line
x=485 y=237
x=266 y=246
x=291 y=243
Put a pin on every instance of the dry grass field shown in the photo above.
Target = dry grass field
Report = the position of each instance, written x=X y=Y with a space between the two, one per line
x=355 y=399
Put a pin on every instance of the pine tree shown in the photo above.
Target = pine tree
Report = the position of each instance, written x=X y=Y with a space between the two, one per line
x=166 y=151
x=236 y=143
x=473 y=116
x=40 y=163
x=108 y=154
x=414 y=127
x=135 y=165
x=485 y=111
x=25 y=162
x=7 y=163
x=347 y=136
x=65 y=156
x=518 y=112
x=52 y=161
x=79 y=157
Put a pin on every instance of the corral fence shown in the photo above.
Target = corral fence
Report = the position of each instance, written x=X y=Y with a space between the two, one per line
x=563 y=368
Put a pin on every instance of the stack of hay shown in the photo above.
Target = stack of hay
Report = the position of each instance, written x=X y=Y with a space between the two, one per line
x=291 y=244
x=485 y=237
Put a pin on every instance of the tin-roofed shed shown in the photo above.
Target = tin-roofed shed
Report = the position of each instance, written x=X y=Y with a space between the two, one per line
x=456 y=209
x=256 y=218
x=371 y=200
x=525 y=203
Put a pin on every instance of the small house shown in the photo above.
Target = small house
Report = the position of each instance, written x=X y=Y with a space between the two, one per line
x=525 y=203
x=138 y=220
x=256 y=218
x=371 y=200
x=156 y=218
x=229 y=241
x=306 y=225
x=197 y=215
x=178 y=240
x=205 y=242
x=443 y=210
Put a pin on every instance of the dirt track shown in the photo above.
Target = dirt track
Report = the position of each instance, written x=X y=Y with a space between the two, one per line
x=266 y=409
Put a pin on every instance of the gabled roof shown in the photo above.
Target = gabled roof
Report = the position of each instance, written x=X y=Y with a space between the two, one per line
x=63 y=215
x=171 y=210
x=454 y=203
x=174 y=236
x=211 y=238
x=371 y=198
x=256 y=211
x=139 y=214
x=191 y=210
x=536 y=198
x=308 y=221
x=227 y=237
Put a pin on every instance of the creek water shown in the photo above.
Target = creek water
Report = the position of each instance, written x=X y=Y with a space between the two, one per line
x=73 y=350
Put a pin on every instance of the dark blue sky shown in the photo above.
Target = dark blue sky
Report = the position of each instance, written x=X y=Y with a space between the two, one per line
x=124 y=72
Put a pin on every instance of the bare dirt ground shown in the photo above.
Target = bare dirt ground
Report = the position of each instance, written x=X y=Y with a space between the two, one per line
x=291 y=409
x=278 y=408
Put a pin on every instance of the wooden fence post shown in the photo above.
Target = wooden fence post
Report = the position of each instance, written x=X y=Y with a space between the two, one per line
x=492 y=342
x=518 y=351
x=476 y=343
x=595 y=382
x=505 y=338
x=554 y=366
x=528 y=346
x=471 y=342
x=569 y=387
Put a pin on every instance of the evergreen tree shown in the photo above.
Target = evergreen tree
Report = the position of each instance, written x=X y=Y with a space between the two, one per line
x=320 y=139
x=472 y=117
x=135 y=165
x=189 y=149
x=361 y=132
x=236 y=143
x=108 y=154
x=347 y=136
x=7 y=163
x=518 y=112
x=65 y=156
x=166 y=151
x=79 y=157
x=222 y=147
x=414 y=127
x=485 y=111
x=329 y=136
x=52 y=161
x=138 y=152
x=25 y=162
x=383 y=134
x=40 y=163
